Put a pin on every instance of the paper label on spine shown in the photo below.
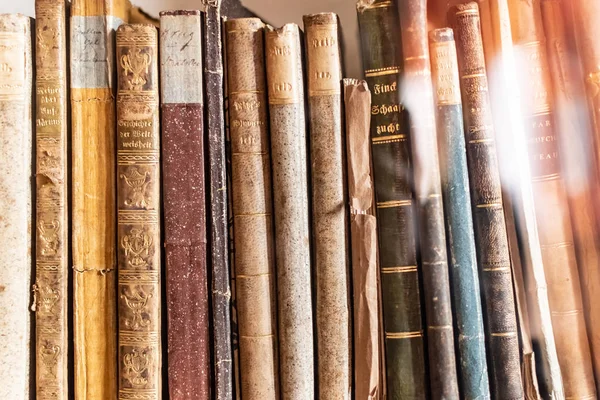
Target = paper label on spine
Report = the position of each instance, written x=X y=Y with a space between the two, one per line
x=445 y=73
x=181 y=59
x=324 y=74
x=283 y=79
x=92 y=51
x=12 y=67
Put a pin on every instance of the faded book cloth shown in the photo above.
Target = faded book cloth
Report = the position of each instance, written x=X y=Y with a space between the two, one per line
x=367 y=329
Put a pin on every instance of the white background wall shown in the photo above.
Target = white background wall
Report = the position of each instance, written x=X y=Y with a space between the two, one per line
x=275 y=12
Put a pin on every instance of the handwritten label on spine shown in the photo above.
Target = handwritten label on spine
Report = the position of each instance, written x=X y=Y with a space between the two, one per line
x=322 y=41
x=12 y=68
x=181 y=78
x=284 y=74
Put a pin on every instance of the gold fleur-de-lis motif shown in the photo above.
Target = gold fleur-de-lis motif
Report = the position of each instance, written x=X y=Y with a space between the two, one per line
x=49 y=235
x=136 y=366
x=136 y=244
x=136 y=302
x=49 y=355
x=136 y=63
x=138 y=183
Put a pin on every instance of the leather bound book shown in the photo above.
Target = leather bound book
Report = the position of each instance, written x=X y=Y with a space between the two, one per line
x=551 y=205
x=402 y=320
x=464 y=275
x=138 y=205
x=52 y=241
x=329 y=206
x=292 y=231
x=93 y=214
x=363 y=239
x=577 y=160
x=252 y=208
x=222 y=354
x=16 y=204
x=188 y=345
x=488 y=213
x=416 y=94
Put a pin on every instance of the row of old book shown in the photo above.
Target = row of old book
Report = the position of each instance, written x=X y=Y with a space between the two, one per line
x=413 y=235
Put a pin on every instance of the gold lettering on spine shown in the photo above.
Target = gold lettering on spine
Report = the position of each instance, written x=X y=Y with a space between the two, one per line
x=283 y=75
x=444 y=67
x=322 y=44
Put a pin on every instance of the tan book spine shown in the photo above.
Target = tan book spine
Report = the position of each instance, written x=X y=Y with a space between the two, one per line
x=291 y=207
x=15 y=202
x=52 y=267
x=252 y=208
x=138 y=205
x=577 y=160
x=329 y=206
x=550 y=199
x=93 y=214
x=515 y=178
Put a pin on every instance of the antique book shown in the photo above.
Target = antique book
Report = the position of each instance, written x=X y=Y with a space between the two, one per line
x=416 y=95
x=363 y=239
x=52 y=226
x=138 y=207
x=515 y=175
x=188 y=346
x=464 y=275
x=16 y=176
x=402 y=318
x=329 y=206
x=577 y=159
x=488 y=214
x=222 y=354
x=551 y=206
x=291 y=207
x=252 y=208
x=93 y=214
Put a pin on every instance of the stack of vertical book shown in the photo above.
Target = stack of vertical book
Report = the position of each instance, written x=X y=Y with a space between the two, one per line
x=211 y=210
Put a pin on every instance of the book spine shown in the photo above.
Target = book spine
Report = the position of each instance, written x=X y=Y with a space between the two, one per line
x=184 y=205
x=292 y=232
x=329 y=206
x=138 y=205
x=52 y=241
x=488 y=213
x=459 y=220
x=577 y=160
x=363 y=238
x=16 y=204
x=402 y=319
x=252 y=208
x=219 y=235
x=551 y=205
x=92 y=72
x=417 y=93
x=515 y=174
x=586 y=17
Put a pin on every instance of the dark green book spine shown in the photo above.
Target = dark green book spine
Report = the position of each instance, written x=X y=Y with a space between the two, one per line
x=473 y=375
x=404 y=347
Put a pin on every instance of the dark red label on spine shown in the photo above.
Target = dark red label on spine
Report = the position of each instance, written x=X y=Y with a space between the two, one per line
x=542 y=145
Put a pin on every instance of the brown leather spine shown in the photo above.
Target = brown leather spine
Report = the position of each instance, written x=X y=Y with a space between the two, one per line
x=138 y=205
x=551 y=207
x=417 y=95
x=52 y=249
x=488 y=213
x=222 y=354
x=577 y=160
x=292 y=232
x=184 y=205
x=252 y=208
x=93 y=214
x=329 y=206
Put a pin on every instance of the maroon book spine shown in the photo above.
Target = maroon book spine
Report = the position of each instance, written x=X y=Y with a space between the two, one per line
x=184 y=206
